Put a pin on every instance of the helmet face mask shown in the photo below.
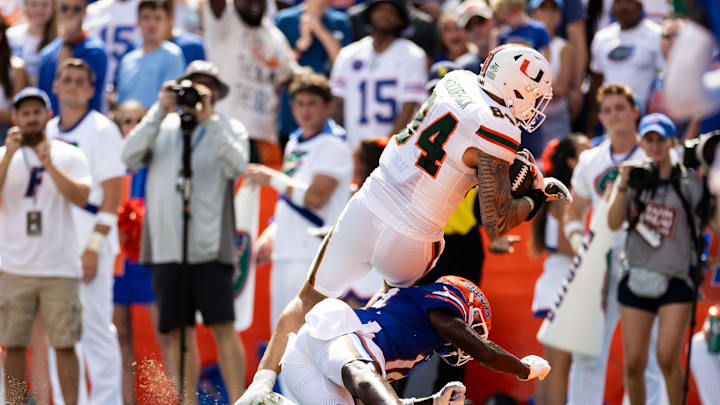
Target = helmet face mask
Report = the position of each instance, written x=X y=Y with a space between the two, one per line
x=521 y=76
x=478 y=318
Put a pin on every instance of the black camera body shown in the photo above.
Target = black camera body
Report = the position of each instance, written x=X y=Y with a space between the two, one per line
x=187 y=95
x=644 y=177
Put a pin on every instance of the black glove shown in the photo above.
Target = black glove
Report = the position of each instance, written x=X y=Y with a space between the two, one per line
x=539 y=197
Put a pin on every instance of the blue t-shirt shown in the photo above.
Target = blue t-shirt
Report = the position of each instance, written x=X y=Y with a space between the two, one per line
x=89 y=49
x=533 y=34
x=315 y=57
x=191 y=45
x=712 y=13
x=572 y=10
x=407 y=338
x=140 y=75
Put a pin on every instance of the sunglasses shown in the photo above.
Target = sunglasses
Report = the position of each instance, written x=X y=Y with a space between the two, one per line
x=130 y=121
x=64 y=8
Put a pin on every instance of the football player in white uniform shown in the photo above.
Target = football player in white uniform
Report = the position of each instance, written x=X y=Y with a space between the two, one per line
x=466 y=134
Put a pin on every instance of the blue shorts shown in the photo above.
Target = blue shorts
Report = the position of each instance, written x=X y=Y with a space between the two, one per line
x=135 y=286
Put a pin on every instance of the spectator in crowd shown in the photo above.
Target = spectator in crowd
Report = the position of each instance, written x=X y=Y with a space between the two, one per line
x=627 y=52
x=704 y=364
x=27 y=39
x=191 y=44
x=41 y=269
x=573 y=29
x=316 y=33
x=557 y=123
x=661 y=251
x=314 y=186
x=453 y=39
x=115 y=22
x=73 y=42
x=143 y=71
x=379 y=81
x=366 y=157
x=595 y=172
x=13 y=78
x=187 y=16
x=255 y=59
x=519 y=27
x=476 y=18
x=96 y=222
x=133 y=286
x=419 y=28
x=558 y=160
x=219 y=155
x=693 y=76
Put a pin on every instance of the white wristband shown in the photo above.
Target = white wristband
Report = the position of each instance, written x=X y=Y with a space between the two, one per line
x=106 y=218
x=576 y=241
x=265 y=377
x=279 y=182
x=573 y=227
x=95 y=242
x=298 y=195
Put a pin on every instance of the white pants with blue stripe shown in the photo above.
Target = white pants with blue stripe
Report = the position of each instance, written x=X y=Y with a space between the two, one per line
x=312 y=367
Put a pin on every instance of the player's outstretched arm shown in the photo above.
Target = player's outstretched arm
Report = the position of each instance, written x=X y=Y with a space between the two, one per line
x=500 y=212
x=453 y=329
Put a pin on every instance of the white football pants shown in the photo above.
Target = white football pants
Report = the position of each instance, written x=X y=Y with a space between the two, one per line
x=98 y=346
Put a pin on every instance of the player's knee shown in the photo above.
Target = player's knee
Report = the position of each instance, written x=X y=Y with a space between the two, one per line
x=307 y=297
x=635 y=365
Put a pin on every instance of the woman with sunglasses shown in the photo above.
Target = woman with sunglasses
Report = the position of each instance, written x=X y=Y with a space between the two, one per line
x=13 y=78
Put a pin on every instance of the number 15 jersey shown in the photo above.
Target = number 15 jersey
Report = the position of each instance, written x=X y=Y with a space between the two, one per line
x=422 y=178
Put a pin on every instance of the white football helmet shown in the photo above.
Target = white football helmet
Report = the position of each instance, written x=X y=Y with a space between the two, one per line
x=521 y=76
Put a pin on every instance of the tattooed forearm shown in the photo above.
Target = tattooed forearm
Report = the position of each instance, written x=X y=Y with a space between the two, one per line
x=500 y=212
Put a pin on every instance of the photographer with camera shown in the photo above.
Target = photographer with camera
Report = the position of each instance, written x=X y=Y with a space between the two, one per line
x=660 y=200
x=40 y=181
x=219 y=155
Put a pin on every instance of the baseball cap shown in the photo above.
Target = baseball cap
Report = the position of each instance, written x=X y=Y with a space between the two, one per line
x=31 y=92
x=203 y=67
x=659 y=123
x=536 y=3
x=438 y=70
x=473 y=8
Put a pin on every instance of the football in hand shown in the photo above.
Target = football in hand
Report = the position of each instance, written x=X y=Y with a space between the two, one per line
x=522 y=173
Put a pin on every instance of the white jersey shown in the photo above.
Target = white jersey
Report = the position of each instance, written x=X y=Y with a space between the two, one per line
x=115 y=22
x=422 y=178
x=374 y=86
x=596 y=171
x=254 y=62
x=28 y=189
x=25 y=45
x=631 y=57
x=101 y=142
x=328 y=154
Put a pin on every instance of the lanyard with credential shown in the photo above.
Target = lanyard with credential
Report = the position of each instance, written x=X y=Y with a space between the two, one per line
x=33 y=219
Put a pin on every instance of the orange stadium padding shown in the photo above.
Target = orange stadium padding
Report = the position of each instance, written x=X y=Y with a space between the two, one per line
x=508 y=280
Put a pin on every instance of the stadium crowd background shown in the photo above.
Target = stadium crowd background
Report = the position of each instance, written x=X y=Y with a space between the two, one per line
x=585 y=43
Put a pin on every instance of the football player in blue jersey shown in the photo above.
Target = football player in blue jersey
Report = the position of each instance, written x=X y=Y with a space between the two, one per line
x=341 y=354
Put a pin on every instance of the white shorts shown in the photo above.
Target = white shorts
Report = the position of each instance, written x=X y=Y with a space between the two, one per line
x=359 y=242
x=314 y=358
x=548 y=285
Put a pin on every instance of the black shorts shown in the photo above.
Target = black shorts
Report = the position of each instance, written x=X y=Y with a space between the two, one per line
x=208 y=288
x=678 y=292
